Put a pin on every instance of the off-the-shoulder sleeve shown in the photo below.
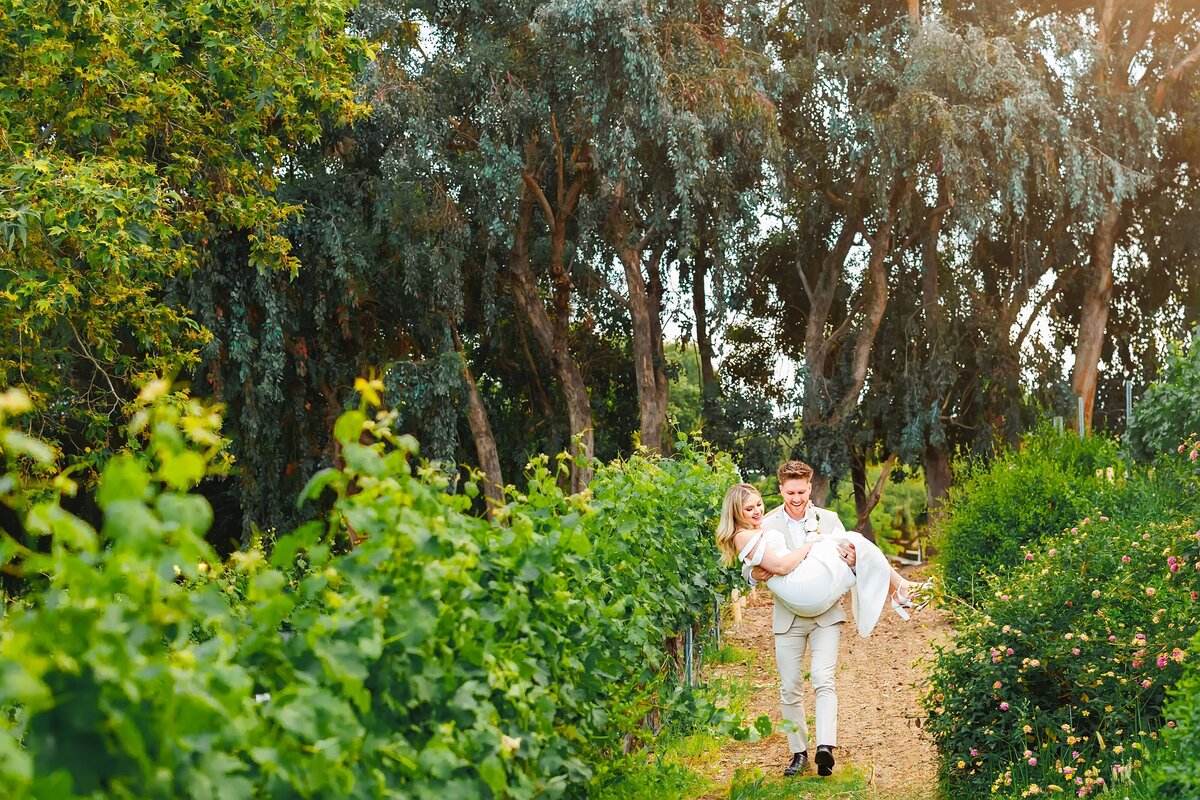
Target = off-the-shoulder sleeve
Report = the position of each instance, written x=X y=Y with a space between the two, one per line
x=751 y=554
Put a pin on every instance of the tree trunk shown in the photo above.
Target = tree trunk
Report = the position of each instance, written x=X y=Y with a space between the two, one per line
x=708 y=375
x=1093 y=316
x=820 y=489
x=645 y=298
x=481 y=432
x=552 y=340
x=652 y=399
x=858 y=476
x=938 y=478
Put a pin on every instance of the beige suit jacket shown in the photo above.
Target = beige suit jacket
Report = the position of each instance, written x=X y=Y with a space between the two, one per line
x=828 y=524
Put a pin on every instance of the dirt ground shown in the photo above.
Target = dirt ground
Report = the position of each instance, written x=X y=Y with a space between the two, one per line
x=880 y=717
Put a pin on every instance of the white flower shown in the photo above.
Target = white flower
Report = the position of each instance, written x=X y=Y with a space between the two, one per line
x=812 y=523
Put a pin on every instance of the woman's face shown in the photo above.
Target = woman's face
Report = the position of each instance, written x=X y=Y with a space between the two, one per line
x=752 y=510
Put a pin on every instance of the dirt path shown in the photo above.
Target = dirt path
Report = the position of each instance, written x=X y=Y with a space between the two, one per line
x=879 y=711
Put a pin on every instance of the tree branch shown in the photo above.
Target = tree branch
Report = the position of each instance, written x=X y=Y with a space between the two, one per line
x=1175 y=73
x=547 y=211
x=1058 y=286
x=877 y=492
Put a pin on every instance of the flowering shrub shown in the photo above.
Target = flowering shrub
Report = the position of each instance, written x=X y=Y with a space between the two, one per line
x=445 y=656
x=1057 y=680
x=1001 y=507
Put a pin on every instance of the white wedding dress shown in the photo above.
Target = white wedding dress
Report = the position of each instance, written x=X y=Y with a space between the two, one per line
x=823 y=577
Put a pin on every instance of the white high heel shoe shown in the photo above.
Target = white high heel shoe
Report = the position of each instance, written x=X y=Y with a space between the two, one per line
x=917 y=597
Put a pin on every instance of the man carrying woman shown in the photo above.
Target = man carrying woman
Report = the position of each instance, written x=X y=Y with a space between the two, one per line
x=809 y=561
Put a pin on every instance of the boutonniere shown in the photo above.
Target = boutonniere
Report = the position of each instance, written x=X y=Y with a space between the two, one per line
x=812 y=523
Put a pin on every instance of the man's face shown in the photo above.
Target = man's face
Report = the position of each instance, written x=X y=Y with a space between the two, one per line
x=795 y=492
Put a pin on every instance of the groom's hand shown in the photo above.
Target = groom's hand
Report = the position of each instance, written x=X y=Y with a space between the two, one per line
x=759 y=574
x=848 y=554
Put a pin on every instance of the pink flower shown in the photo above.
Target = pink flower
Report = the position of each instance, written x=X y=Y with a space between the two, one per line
x=1104 y=519
x=1074 y=651
x=1029 y=556
x=1008 y=652
x=1033 y=762
x=974 y=752
x=1194 y=454
x=1162 y=661
x=1196 y=595
x=1174 y=568
x=1004 y=706
x=1180 y=448
x=1171 y=559
x=1146 y=683
x=1112 y=638
x=1151 y=591
x=1124 y=559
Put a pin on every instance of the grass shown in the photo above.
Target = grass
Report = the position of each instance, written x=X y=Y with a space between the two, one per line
x=730 y=654
x=845 y=784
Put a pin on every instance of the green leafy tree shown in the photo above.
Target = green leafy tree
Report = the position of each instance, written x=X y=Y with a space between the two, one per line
x=132 y=132
x=1168 y=413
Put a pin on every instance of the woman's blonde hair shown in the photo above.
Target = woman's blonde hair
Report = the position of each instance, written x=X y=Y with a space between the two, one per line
x=733 y=519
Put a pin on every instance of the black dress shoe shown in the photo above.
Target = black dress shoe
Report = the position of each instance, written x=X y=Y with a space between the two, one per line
x=798 y=765
x=824 y=760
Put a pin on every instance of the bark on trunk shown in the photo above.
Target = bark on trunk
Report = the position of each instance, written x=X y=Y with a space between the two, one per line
x=708 y=375
x=938 y=479
x=481 y=432
x=645 y=298
x=858 y=477
x=1093 y=316
x=552 y=341
x=820 y=489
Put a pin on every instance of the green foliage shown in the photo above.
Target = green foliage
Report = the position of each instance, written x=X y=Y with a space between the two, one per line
x=1062 y=670
x=1000 y=509
x=1175 y=773
x=133 y=131
x=1168 y=412
x=444 y=656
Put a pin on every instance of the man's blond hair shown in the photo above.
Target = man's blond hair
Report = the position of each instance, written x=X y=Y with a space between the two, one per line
x=794 y=470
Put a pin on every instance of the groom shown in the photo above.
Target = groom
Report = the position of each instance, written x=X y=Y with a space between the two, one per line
x=797 y=519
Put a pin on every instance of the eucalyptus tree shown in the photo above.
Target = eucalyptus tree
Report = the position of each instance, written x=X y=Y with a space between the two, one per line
x=1126 y=73
x=670 y=97
x=914 y=139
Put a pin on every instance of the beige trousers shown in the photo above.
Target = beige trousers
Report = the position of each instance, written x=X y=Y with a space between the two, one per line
x=805 y=634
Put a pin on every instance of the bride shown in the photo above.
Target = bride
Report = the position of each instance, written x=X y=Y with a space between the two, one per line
x=811 y=578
